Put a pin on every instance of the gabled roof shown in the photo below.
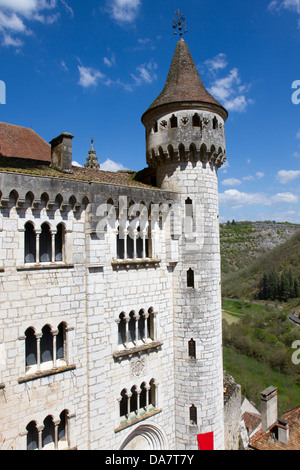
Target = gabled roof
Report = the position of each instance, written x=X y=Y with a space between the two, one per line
x=183 y=83
x=21 y=142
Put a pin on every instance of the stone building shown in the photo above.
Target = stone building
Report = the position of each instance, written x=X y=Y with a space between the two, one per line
x=110 y=320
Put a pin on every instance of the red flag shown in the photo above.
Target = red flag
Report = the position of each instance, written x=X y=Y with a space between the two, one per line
x=206 y=441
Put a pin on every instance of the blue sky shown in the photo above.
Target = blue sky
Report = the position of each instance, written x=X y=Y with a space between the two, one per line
x=93 y=67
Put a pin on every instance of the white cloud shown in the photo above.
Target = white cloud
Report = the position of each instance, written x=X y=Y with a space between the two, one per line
x=258 y=175
x=110 y=165
x=110 y=62
x=230 y=90
x=89 y=77
x=16 y=14
x=286 y=176
x=145 y=73
x=217 y=63
x=124 y=11
x=285 y=198
x=290 y=5
x=237 y=199
x=231 y=182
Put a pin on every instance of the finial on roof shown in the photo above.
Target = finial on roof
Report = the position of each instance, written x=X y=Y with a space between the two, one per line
x=179 y=22
x=92 y=160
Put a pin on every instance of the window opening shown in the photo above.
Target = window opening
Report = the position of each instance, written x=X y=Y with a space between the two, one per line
x=62 y=429
x=188 y=207
x=215 y=123
x=45 y=244
x=46 y=344
x=196 y=120
x=122 y=329
x=123 y=403
x=132 y=326
x=192 y=349
x=59 y=241
x=48 y=432
x=190 y=278
x=30 y=347
x=60 y=341
x=174 y=121
x=120 y=246
x=193 y=415
x=30 y=243
x=32 y=436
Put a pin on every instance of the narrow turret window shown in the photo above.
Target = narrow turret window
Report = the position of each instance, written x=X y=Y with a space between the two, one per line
x=193 y=415
x=196 y=120
x=190 y=278
x=174 y=121
x=215 y=123
x=192 y=349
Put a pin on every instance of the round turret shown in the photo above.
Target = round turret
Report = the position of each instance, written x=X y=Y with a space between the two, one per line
x=185 y=144
x=185 y=123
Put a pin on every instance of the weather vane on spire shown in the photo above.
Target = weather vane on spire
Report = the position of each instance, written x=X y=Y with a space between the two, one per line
x=179 y=22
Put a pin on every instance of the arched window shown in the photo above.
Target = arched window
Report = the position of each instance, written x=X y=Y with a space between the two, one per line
x=62 y=434
x=32 y=436
x=141 y=325
x=173 y=121
x=133 y=400
x=46 y=344
x=48 y=435
x=61 y=342
x=139 y=244
x=143 y=396
x=122 y=329
x=45 y=244
x=120 y=245
x=123 y=403
x=30 y=243
x=190 y=278
x=152 y=394
x=59 y=242
x=132 y=327
x=215 y=123
x=150 y=324
x=30 y=348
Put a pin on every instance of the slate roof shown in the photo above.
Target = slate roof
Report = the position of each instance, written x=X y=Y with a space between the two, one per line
x=21 y=142
x=183 y=83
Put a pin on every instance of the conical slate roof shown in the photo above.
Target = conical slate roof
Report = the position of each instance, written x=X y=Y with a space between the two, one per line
x=184 y=83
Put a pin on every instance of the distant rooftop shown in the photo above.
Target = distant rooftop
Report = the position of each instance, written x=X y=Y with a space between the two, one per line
x=21 y=142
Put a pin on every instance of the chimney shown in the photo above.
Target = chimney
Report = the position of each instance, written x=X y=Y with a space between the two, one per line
x=61 y=152
x=269 y=412
x=283 y=432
